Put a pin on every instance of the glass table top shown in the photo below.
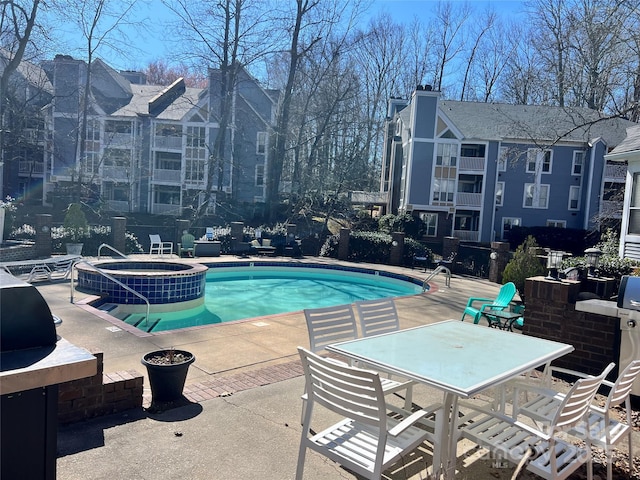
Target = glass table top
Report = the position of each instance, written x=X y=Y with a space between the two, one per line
x=457 y=357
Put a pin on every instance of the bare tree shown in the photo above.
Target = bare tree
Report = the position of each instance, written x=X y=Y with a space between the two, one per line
x=17 y=20
x=551 y=39
x=449 y=32
x=486 y=24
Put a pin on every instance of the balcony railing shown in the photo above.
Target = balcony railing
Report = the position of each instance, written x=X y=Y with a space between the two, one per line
x=27 y=167
x=468 y=199
x=118 y=140
x=466 y=235
x=473 y=164
x=615 y=173
x=118 y=205
x=611 y=208
x=369 y=197
x=167 y=176
x=173 y=143
x=115 y=173
x=166 y=209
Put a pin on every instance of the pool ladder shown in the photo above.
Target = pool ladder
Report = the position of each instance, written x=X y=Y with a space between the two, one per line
x=439 y=269
x=106 y=275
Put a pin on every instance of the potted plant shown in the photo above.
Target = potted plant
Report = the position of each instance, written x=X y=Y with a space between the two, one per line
x=75 y=223
x=167 y=371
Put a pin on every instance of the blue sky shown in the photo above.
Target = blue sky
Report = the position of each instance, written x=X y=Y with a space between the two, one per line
x=156 y=43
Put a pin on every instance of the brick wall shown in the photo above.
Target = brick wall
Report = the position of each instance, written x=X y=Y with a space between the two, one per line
x=550 y=313
x=102 y=394
x=18 y=252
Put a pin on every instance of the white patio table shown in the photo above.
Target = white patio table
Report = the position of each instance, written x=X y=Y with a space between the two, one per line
x=461 y=359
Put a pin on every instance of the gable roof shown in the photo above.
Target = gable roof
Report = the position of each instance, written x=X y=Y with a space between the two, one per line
x=143 y=94
x=631 y=144
x=492 y=121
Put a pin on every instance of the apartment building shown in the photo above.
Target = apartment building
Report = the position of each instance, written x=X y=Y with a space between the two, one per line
x=473 y=170
x=149 y=148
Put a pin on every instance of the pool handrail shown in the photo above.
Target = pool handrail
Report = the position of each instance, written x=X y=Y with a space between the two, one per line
x=106 y=275
x=110 y=248
x=439 y=269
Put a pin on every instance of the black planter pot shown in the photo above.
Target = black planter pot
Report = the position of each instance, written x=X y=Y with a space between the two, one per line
x=167 y=380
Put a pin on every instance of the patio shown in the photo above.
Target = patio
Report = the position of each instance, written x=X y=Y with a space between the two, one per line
x=246 y=380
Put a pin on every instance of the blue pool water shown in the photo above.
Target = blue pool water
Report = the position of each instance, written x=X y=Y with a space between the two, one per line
x=235 y=293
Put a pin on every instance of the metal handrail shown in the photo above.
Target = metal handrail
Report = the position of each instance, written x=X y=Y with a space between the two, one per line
x=110 y=248
x=105 y=274
x=438 y=270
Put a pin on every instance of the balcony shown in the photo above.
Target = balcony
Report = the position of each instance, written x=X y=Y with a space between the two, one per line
x=166 y=176
x=472 y=164
x=464 y=199
x=170 y=143
x=615 y=173
x=166 y=209
x=27 y=168
x=466 y=235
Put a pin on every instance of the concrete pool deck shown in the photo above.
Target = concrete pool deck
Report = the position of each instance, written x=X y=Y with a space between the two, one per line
x=245 y=384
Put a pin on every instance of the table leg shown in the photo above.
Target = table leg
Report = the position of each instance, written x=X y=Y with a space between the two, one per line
x=449 y=436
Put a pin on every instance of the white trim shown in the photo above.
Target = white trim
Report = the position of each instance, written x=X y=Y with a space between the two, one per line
x=574 y=188
x=535 y=199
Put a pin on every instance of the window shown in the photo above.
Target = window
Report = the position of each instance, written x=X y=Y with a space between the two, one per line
x=443 y=190
x=168 y=161
x=114 y=157
x=447 y=154
x=261 y=143
x=507 y=223
x=539 y=161
x=502 y=159
x=557 y=223
x=536 y=196
x=578 y=161
x=431 y=223
x=574 y=198
x=634 y=206
x=259 y=175
x=195 y=154
x=499 y=193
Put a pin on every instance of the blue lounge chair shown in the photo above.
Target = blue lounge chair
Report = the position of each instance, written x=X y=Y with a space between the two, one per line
x=505 y=295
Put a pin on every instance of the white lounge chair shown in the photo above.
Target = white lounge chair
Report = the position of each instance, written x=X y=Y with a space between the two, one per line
x=367 y=441
x=158 y=247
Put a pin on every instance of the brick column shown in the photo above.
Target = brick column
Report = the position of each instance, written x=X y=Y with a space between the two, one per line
x=550 y=313
x=43 y=235
x=497 y=264
x=118 y=230
x=397 y=248
x=449 y=245
x=236 y=235
x=343 y=244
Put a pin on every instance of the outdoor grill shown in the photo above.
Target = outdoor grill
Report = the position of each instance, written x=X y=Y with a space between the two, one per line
x=33 y=361
x=629 y=315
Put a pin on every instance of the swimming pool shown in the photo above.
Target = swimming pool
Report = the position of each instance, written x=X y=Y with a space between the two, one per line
x=253 y=290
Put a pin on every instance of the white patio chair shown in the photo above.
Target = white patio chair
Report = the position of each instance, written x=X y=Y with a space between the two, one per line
x=159 y=247
x=604 y=430
x=329 y=325
x=381 y=316
x=549 y=456
x=368 y=440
